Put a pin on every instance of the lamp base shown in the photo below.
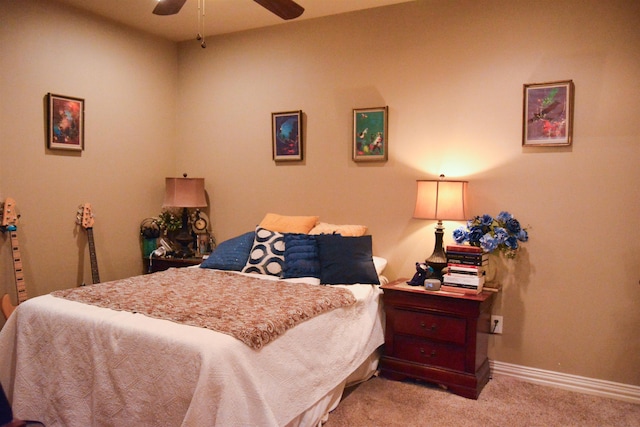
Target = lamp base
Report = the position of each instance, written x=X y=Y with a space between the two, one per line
x=184 y=238
x=438 y=259
x=184 y=241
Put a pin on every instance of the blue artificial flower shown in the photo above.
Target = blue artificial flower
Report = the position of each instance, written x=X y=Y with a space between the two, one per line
x=475 y=233
x=486 y=220
x=523 y=236
x=504 y=216
x=460 y=235
x=488 y=242
x=511 y=243
x=502 y=233
x=513 y=225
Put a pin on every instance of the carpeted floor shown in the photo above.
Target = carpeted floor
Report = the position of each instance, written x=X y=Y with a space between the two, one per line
x=505 y=401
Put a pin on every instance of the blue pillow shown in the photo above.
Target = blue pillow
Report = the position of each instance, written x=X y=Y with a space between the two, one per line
x=300 y=256
x=346 y=260
x=231 y=254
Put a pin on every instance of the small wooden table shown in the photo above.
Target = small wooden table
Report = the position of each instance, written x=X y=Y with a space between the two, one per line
x=436 y=336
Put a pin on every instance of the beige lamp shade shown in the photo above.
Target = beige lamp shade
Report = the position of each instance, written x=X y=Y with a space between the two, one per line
x=184 y=193
x=441 y=200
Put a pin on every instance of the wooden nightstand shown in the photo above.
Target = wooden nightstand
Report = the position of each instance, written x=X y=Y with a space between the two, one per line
x=161 y=263
x=438 y=337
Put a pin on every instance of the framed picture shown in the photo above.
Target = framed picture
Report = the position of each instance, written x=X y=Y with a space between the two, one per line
x=370 y=141
x=65 y=122
x=287 y=135
x=548 y=114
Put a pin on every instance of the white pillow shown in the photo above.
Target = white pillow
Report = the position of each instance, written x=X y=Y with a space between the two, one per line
x=379 y=263
x=267 y=253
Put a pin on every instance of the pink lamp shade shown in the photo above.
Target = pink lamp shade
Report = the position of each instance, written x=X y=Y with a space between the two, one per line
x=184 y=193
x=441 y=200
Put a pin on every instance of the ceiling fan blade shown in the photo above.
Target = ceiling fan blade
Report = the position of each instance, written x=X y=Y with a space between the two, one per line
x=285 y=9
x=168 y=7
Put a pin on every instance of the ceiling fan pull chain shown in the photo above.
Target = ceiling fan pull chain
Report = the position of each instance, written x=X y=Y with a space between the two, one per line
x=199 y=36
x=203 y=44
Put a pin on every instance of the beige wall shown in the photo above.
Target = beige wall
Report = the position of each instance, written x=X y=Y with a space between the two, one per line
x=452 y=76
x=129 y=83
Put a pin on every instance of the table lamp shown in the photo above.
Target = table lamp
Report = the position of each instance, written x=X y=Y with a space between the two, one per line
x=440 y=200
x=184 y=193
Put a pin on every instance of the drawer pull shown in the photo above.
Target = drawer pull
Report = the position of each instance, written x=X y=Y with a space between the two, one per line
x=432 y=328
x=432 y=354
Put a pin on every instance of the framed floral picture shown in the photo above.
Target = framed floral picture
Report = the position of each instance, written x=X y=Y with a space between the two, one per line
x=548 y=114
x=370 y=141
x=65 y=122
x=287 y=135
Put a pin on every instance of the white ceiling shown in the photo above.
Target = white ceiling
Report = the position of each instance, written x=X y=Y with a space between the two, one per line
x=221 y=16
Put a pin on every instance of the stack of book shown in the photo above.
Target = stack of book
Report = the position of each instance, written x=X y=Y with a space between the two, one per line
x=466 y=268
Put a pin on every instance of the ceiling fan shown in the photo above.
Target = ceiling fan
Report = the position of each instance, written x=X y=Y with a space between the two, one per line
x=285 y=9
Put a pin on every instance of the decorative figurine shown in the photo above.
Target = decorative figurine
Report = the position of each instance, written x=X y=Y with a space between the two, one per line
x=423 y=272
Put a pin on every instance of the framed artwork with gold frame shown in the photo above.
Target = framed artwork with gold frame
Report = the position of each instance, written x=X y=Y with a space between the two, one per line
x=548 y=114
x=370 y=142
x=65 y=122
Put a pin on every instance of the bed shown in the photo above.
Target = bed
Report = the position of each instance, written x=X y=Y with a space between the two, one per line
x=127 y=352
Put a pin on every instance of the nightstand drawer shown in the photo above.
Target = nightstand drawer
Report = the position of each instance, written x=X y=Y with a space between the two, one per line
x=432 y=326
x=429 y=352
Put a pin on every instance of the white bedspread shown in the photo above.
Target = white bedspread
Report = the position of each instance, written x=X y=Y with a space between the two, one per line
x=72 y=364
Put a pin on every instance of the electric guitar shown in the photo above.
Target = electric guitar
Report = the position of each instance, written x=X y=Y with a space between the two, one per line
x=84 y=217
x=9 y=223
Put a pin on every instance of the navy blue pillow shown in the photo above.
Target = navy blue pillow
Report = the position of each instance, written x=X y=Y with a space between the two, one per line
x=300 y=256
x=231 y=254
x=346 y=260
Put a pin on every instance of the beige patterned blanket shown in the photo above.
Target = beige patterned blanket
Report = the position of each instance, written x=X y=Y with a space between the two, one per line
x=255 y=311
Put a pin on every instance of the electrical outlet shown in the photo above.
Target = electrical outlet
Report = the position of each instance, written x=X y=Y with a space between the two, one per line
x=496 y=324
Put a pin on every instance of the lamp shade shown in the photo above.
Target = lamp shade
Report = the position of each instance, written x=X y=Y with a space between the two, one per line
x=441 y=200
x=184 y=193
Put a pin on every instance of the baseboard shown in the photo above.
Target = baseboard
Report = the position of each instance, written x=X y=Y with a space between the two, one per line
x=609 y=389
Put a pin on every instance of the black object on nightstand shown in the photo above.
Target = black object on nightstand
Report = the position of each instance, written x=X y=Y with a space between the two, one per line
x=438 y=337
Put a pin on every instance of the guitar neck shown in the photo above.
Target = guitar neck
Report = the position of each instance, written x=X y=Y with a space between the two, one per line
x=95 y=276
x=21 y=289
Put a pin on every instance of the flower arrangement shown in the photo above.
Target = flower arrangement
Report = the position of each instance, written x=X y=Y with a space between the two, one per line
x=502 y=233
x=168 y=220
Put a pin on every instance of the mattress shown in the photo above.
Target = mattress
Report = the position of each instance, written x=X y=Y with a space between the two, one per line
x=68 y=363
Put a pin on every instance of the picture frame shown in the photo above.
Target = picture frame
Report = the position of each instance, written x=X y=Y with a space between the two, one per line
x=370 y=129
x=547 y=119
x=287 y=138
x=65 y=122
